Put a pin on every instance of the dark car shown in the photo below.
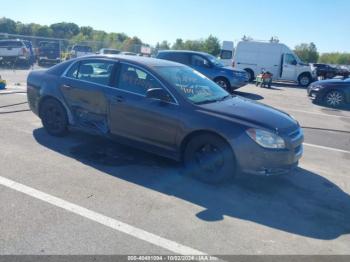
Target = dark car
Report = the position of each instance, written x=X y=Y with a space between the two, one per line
x=332 y=92
x=325 y=71
x=49 y=53
x=343 y=71
x=168 y=109
x=227 y=77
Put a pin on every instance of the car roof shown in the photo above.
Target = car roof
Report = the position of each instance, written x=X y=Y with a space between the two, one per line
x=12 y=40
x=145 y=61
x=183 y=52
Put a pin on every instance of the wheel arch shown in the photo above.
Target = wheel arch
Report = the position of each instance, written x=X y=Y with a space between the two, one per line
x=304 y=73
x=46 y=97
x=252 y=73
x=195 y=133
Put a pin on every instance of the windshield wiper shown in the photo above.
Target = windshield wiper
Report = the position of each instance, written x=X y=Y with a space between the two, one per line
x=224 y=98
x=207 y=101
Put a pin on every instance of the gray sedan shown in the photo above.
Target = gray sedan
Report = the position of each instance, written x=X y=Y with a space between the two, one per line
x=168 y=109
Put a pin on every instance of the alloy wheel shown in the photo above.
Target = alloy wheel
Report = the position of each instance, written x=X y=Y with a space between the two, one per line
x=334 y=99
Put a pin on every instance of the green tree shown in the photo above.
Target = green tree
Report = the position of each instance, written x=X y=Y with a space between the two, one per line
x=194 y=45
x=335 y=58
x=132 y=44
x=86 y=30
x=211 y=45
x=164 y=45
x=178 y=45
x=65 y=30
x=7 y=26
x=44 y=31
x=307 y=52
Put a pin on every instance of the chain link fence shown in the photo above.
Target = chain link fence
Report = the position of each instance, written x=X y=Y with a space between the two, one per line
x=66 y=45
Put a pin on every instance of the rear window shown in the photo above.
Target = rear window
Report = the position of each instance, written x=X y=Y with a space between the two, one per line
x=59 y=68
x=81 y=48
x=11 y=44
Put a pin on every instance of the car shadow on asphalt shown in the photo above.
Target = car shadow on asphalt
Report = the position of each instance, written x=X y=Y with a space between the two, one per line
x=303 y=203
x=287 y=85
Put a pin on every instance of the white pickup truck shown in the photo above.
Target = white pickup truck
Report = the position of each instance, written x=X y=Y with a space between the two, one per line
x=14 y=52
x=80 y=50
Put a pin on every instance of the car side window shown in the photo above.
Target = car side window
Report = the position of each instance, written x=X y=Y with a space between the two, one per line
x=290 y=59
x=73 y=71
x=136 y=80
x=197 y=60
x=225 y=54
x=98 y=72
x=180 y=58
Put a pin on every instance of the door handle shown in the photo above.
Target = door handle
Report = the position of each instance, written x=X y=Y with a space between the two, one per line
x=67 y=87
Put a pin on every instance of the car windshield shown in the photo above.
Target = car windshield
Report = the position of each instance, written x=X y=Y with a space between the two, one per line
x=214 y=61
x=192 y=85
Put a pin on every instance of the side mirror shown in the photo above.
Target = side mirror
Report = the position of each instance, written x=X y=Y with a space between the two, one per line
x=158 y=94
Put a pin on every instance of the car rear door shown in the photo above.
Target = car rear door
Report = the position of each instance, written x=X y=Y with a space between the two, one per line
x=84 y=87
x=135 y=117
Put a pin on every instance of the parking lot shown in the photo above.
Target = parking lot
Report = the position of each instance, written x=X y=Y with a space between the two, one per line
x=86 y=195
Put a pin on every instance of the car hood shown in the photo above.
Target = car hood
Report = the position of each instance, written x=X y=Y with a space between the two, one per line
x=329 y=81
x=251 y=113
x=230 y=68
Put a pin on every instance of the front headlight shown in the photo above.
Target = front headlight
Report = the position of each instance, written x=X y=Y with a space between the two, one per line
x=316 y=87
x=266 y=139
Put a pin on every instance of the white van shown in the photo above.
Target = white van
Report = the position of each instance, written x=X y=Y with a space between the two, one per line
x=226 y=53
x=277 y=58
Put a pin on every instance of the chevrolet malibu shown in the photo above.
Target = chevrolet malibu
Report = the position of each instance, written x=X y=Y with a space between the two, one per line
x=168 y=109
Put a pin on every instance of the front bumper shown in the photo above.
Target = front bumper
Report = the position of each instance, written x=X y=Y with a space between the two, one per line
x=256 y=160
x=314 y=94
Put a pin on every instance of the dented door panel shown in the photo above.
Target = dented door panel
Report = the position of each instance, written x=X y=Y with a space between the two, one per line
x=87 y=102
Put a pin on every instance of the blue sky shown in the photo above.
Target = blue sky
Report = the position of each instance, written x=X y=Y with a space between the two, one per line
x=327 y=23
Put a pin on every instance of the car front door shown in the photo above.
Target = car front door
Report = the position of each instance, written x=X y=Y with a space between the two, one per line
x=202 y=65
x=136 y=117
x=289 y=67
x=83 y=88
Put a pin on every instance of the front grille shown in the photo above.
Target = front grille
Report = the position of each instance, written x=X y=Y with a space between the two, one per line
x=296 y=134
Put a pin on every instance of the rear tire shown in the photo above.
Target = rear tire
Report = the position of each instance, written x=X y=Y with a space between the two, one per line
x=54 y=117
x=210 y=159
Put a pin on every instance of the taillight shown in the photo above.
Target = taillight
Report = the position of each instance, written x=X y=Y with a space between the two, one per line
x=233 y=64
x=24 y=51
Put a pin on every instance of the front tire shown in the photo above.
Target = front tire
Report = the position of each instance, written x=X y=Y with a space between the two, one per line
x=224 y=83
x=250 y=74
x=304 y=80
x=54 y=117
x=334 y=99
x=210 y=159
